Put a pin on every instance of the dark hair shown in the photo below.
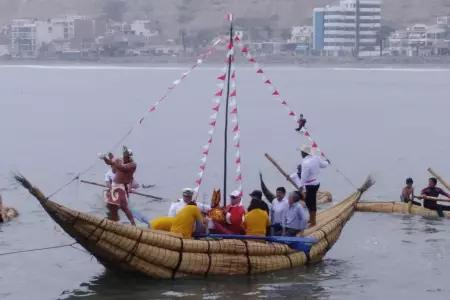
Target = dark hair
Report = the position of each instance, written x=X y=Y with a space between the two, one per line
x=192 y=203
x=281 y=189
x=256 y=204
x=434 y=180
x=409 y=181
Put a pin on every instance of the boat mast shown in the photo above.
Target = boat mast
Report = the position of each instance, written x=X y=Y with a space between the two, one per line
x=230 y=56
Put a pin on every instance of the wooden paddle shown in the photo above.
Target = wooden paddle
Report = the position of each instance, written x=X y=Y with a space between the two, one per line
x=281 y=170
x=439 y=178
x=131 y=192
x=432 y=198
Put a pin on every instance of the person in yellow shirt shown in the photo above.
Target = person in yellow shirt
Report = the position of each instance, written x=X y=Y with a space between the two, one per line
x=161 y=223
x=186 y=219
x=256 y=221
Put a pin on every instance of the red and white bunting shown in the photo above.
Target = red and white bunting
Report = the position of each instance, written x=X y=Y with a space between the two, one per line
x=276 y=94
x=184 y=75
x=212 y=125
x=233 y=107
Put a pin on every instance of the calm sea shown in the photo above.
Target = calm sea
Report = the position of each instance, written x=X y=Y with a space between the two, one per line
x=391 y=123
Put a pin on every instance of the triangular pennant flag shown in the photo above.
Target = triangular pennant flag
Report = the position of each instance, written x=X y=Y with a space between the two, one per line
x=221 y=77
x=236 y=128
x=210 y=141
x=234 y=120
x=252 y=60
x=236 y=137
x=199 y=61
x=219 y=93
x=238 y=145
x=230 y=45
x=267 y=82
x=244 y=50
x=238 y=168
x=216 y=100
x=234 y=111
x=284 y=102
x=196 y=189
x=233 y=75
x=307 y=133
x=292 y=113
x=176 y=82
x=202 y=167
x=200 y=174
x=216 y=108
x=211 y=131
x=171 y=87
x=199 y=181
x=239 y=178
x=275 y=93
x=238 y=160
x=205 y=152
x=233 y=93
x=237 y=38
x=238 y=153
x=314 y=145
x=259 y=71
x=206 y=146
x=152 y=109
x=232 y=103
x=213 y=123
x=323 y=154
x=203 y=159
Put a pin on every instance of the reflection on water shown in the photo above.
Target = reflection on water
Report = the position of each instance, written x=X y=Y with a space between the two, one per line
x=300 y=283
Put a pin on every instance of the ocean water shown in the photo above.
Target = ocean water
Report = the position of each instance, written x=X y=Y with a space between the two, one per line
x=390 y=123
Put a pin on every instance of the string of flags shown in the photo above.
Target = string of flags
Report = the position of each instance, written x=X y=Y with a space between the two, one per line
x=276 y=94
x=184 y=75
x=212 y=125
x=235 y=116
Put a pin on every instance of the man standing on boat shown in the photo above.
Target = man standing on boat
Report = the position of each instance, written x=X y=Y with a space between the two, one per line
x=433 y=191
x=301 y=123
x=181 y=203
x=121 y=185
x=310 y=179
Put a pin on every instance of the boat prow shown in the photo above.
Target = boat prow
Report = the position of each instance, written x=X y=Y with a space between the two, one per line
x=166 y=255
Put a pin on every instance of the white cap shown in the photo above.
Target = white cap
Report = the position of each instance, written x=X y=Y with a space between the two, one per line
x=235 y=194
x=187 y=192
x=306 y=149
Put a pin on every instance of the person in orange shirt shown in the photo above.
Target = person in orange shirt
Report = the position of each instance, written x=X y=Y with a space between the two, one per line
x=186 y=219
x=161 y=223
x=256 y=221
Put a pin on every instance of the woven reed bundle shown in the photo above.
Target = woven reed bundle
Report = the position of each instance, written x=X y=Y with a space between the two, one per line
x=165 y=255
x=397 y=207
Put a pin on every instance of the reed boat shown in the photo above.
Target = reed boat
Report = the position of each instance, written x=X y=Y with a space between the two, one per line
x=166 y=255
x=397 y=207
x=322 y=196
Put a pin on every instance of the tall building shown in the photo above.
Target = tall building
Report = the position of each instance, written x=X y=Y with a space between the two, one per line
x=349 y=27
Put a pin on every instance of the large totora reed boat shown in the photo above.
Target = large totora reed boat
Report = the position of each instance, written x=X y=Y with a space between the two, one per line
x=398 y=207
x=165 y=255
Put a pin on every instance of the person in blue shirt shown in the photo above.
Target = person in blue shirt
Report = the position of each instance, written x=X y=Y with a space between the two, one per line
x=296 y=217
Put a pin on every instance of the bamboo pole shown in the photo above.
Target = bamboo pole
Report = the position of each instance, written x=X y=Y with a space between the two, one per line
x=431 y=198
x=439 y=178
x=281 y=170
x=131 y=192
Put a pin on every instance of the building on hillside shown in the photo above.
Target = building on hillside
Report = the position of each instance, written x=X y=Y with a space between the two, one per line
x=347 y=28
x=23 y=38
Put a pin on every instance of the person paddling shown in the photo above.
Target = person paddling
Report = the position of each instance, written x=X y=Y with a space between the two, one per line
x=433 y=191
x=311 y=166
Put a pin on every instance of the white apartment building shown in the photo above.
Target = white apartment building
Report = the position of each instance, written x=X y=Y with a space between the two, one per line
x=336 y=27
x=28 y=35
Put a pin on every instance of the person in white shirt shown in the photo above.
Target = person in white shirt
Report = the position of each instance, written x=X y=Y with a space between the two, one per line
x=178 y=205
x=277 y=211
x=310 y=179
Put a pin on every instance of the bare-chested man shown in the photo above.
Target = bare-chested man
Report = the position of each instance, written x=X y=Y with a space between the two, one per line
x=121 y=185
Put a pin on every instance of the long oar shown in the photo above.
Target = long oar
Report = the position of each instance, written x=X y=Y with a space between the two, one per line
x=439 y=178
x=432 y=198
x=131 y=192
x=281 y=170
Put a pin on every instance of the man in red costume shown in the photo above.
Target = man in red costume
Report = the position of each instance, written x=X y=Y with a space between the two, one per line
x=234 y=214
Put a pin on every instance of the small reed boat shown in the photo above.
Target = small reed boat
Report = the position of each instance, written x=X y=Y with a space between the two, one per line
x=397 y=207
x=168 y=256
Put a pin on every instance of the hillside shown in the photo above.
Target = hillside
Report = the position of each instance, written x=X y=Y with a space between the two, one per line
x=173 y=14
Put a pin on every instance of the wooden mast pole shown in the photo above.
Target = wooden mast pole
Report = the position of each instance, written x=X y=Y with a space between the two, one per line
x=225 y=163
